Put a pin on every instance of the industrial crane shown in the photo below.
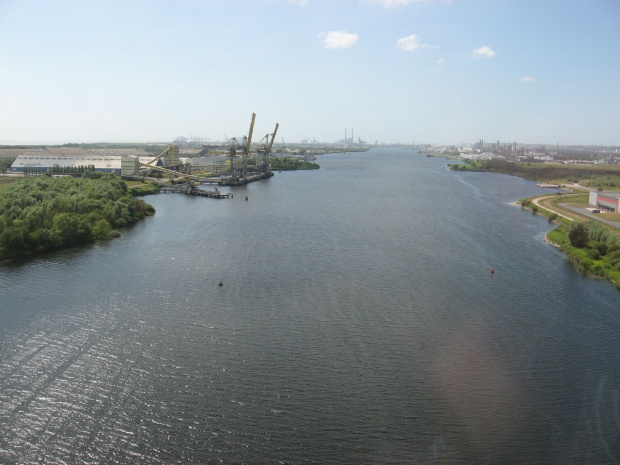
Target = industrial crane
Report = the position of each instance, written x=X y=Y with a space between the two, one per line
x=239 y=169
x=172 y=150
x=263 y=165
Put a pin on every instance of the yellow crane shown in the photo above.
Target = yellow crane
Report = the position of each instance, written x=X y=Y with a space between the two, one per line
x=263 y=165
x=172 y=150
x=273 y=136
x=239 y=169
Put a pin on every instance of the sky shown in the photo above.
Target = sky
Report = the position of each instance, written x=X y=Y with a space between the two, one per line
x=390 y=71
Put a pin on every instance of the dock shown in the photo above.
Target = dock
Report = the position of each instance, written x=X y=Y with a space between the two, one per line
x=244 y=180
x=190 y=189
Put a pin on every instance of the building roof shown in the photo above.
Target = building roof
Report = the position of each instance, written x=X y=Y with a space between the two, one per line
x=611 y=195
x=42 y=159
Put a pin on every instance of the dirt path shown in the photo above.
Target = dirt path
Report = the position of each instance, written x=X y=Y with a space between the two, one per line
x=541 y=202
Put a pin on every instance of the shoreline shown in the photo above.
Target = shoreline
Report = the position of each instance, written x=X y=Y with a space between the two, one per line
x=573 y=259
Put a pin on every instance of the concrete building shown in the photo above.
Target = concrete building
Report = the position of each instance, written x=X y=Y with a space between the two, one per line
x=606 y=201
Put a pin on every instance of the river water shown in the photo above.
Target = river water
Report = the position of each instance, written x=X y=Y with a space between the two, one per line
x=357 y=322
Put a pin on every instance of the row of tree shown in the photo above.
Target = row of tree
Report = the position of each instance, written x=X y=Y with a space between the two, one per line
x=38 y=214
x=289 y=163
x=57 y=169
x=602 y=176
x=5 y=163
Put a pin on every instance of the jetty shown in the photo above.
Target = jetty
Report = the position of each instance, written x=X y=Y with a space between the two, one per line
x=244 y=180
x=191 y=189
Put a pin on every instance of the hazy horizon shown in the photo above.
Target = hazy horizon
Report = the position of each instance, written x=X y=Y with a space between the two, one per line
x=393 y=71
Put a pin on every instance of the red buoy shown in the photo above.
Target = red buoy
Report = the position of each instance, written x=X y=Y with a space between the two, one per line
x=492 y=271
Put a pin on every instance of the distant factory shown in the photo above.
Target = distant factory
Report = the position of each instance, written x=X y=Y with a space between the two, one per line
x=191 y=141
x=349 y=141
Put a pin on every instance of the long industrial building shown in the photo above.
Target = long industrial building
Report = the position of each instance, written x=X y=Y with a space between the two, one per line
x=106 y=160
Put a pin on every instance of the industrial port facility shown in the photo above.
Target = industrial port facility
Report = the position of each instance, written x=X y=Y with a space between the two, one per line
x=227 y=164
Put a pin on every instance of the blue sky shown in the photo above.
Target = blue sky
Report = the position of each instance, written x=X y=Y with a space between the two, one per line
x=425 y=71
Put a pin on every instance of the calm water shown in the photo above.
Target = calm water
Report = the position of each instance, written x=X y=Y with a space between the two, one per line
x=358 y=322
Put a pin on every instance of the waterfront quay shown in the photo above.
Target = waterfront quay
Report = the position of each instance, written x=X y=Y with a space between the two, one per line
x=190 y=189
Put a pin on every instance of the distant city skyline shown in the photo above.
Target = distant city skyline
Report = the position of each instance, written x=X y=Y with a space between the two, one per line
x=391 y=71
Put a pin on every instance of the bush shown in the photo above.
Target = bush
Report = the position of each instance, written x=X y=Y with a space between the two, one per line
x=578 y=234
x=102 y=229
x=601 y=247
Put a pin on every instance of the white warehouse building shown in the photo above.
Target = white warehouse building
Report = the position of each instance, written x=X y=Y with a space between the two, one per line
x=45 y=161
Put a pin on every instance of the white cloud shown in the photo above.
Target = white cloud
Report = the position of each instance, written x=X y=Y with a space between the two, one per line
x=392 y=3
x=338 y=39
x=483 y=52
x=411 y=43
x=527 y=79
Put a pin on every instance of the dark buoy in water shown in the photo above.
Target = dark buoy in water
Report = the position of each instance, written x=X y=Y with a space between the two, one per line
x=492 y=271
x=246 y=197
x=220 y=284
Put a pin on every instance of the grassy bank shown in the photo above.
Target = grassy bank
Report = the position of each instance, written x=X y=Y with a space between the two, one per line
x=600 y=257
x=599 y=176
x=592 y=245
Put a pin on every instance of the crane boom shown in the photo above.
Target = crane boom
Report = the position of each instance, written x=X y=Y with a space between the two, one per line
x=273 y=136
x=247 y=148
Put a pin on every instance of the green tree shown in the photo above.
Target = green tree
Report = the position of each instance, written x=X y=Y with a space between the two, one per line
x=578 y=234
x=102 y=229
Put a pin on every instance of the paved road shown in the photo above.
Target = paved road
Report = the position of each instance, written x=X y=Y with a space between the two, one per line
x=595 y=216
x=540 y=202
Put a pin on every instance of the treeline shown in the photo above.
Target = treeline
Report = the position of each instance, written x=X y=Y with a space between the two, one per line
x=603 y=181
x=40 y=214
x=5 y=163
x=546 y=172
x=592 y=246
x=88 y=170
x=289 y=164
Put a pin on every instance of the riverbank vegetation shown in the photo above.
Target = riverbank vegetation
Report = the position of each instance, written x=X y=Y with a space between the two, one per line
x=599 y=176
x=592 y=246
x=289 y=163
x=39 y=214
x=138 y=188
